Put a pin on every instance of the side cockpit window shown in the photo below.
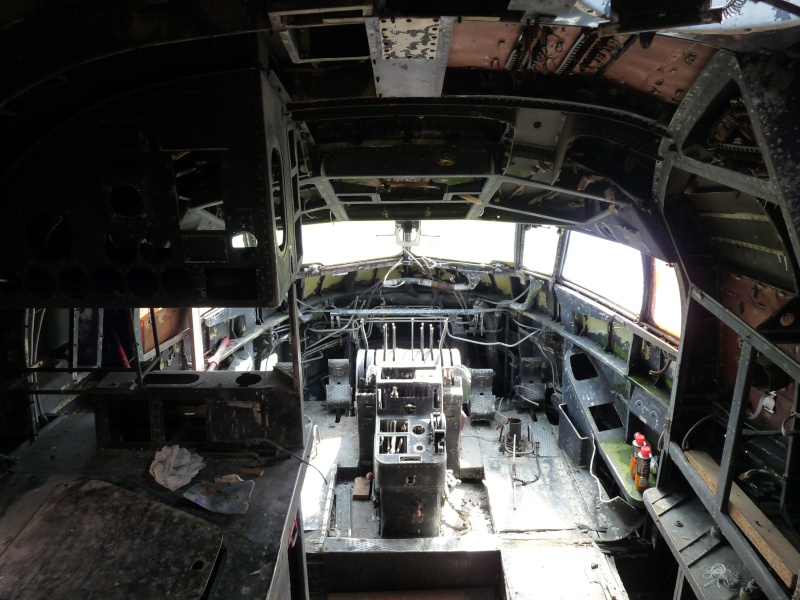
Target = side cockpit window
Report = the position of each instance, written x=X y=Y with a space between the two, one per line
x=665 y=298
x=539 y=247
x=607 y=269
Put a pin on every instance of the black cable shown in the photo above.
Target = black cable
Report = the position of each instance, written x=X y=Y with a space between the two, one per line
x=684 y=445
x=538 y=468
x=300 y=458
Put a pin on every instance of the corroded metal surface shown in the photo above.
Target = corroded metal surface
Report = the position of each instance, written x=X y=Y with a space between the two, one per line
x=409 y=38
x=93 y=538
x=487 y=45
x=409 y=56
x=667 y=69
x=254 y=541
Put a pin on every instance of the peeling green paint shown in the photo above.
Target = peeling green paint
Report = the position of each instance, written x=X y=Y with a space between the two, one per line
x=649 y=387
x=596 y=330
x=621 y=389
x=621 y=341
x=364 y=274
x=309 y=286
x=669 y=376
x=503 y=284
x=542 y=300
x=331 y=280
x=619 y=455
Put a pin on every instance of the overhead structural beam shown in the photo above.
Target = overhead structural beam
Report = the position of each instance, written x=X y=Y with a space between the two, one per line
x=328 y=194
x=539 y=185
x=494 y=107
x=490 y=188
x=741 y=394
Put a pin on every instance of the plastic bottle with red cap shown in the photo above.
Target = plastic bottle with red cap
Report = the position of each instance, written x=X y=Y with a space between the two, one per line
x=638 y=443
x=642 y=481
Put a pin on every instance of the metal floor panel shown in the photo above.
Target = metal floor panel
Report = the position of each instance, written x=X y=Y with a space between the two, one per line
x=345 y=430
x=547 y=436
x=335 y=444
x=559 y=572
x=344 y=494
x=82 y=542
x=548 y=498
x=480 y=594
x=363 y=521
x=471 y=455
x=546 y=507
x=437 y=544
x=66 y=448
x=687 y=528
x=548 y=538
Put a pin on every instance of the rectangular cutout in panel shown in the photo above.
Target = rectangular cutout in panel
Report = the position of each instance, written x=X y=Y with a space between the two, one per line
x=333 y=42
x=411 y=458
x=205 y=247
x=185 y=423
x=394 y=425
x=392 y=444
x=127 y=421
x=582 y=368
x=605 y=417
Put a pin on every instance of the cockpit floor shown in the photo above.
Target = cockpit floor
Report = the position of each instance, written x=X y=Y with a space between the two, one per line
x=539 y=510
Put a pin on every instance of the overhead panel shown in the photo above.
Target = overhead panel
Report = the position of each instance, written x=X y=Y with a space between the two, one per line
x=312 y=34
x=482 y=44
x=409 y=56
x=666 y=69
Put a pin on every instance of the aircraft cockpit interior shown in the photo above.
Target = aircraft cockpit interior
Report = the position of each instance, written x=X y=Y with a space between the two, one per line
x=372 y=299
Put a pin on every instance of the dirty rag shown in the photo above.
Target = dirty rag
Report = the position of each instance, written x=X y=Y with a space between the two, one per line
x=174 y=467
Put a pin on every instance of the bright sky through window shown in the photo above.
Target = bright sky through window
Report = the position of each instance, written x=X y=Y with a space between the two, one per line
x=539 y=249
x=666 y=303
x=350 y=241
x=610 y=270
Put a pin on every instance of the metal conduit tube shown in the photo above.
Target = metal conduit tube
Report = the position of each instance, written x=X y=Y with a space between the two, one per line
x=554 y=188
x=213 y=362
x=431 y=283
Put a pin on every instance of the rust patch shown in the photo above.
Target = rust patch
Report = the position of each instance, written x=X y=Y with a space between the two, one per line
x=485 y=45
x=603 y=51
x=556 y=48
x=753 y=303
x=666 y=70
x=749 y=300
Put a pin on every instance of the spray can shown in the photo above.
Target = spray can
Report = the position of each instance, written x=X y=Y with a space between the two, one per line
x=642 y=481
x=638 y=443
